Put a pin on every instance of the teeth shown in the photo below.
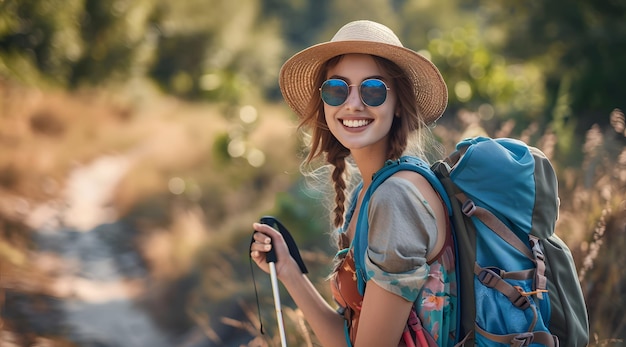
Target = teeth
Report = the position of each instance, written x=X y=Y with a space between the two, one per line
x=355 y=123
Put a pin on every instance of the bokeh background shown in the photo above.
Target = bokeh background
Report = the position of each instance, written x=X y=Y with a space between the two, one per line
x=139 y=140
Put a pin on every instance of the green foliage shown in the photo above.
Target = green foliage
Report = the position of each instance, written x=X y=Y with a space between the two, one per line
x=215 y=49
x=476 y=76
x=581 y=44
x=505 y=60
x=36 y=37
x=304 y=209
x=115 y=35
x=68 y=43
x=563 y=123
x=220 y=149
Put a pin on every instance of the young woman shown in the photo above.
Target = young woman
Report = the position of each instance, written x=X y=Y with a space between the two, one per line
x=363 y=96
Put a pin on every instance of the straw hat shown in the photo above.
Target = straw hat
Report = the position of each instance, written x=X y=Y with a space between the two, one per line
x=298 y=74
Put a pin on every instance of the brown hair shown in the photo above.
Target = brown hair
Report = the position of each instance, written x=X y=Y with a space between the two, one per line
x=324 y=142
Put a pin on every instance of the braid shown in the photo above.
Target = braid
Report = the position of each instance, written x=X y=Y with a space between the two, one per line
x=337 y=157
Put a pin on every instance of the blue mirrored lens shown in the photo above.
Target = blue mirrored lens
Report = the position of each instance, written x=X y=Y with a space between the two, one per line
x=373 y=92
x=334 y=92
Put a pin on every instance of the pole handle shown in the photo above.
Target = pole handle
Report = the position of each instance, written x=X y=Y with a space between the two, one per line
x=270 y=257
x=291 y=243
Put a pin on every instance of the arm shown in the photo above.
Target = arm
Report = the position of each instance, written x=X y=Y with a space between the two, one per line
x=383 y=317
x=404 y=217
x=323 y=319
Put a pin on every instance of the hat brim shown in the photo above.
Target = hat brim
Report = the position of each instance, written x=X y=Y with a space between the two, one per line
x=298 y=75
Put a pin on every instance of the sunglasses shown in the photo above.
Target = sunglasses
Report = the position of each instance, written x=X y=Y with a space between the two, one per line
x=335 y=92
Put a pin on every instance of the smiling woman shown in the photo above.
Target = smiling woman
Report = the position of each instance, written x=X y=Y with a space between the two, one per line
x=364 y=96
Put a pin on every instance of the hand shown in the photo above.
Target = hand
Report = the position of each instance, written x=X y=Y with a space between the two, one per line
x=265 y=238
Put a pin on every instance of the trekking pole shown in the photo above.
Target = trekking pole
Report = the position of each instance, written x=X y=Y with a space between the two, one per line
x=271 y=261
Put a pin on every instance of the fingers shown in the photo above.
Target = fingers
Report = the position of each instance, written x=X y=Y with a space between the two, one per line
x=263 y=245
x=263 y=239
x=267 y=230
x=259 y=248
x=266 y=238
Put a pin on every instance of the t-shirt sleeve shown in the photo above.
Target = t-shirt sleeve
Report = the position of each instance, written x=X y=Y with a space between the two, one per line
x=402 y=230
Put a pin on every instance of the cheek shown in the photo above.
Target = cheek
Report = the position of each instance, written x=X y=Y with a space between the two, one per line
x=391 y=109
x=328 y=115
x=394 y=104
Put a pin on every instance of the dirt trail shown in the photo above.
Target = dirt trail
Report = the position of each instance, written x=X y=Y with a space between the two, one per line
x=98 y=276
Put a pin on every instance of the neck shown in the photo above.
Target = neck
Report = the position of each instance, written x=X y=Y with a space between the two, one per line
x=368 y=162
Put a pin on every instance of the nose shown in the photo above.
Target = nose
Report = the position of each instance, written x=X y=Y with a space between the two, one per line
x=354 y=102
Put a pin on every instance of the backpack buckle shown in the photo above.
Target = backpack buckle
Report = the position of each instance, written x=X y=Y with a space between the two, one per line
x=523 y=339
x=536 y=248
x=489 y=276
x=468 y=208
x=520 y=301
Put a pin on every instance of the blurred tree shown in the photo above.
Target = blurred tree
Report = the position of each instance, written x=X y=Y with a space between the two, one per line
x=301 y=20
x=480 y=79
x=579 y=48
x=301 y=23
x=584 y=41
x=40 y=38
x=555 y=63
x=72 y=42
x=215 y=49
x=117 y=41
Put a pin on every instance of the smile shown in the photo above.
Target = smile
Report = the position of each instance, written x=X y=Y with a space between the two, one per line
x=355 y=123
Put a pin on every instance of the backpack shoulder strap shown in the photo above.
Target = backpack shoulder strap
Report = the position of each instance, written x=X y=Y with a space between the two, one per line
x=360 y=242
x=410 y=163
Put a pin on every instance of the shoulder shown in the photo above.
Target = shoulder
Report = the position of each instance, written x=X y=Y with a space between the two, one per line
x=404 y=197
x=402 y=228
x=419 y=181
x=406 y=184
x=407 y=195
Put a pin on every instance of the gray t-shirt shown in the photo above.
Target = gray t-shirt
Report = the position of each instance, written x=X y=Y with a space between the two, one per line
x=403 y=229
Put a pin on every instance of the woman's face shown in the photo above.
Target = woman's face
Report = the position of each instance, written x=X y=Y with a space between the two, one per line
x=356 y=125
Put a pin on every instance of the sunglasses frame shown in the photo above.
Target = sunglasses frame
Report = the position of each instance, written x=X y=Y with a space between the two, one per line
x=360 y=85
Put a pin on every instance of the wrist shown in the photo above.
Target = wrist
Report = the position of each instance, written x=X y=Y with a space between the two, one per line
x=290 y=273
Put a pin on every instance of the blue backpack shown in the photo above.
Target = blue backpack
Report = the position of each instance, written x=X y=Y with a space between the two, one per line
x=517 y=281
